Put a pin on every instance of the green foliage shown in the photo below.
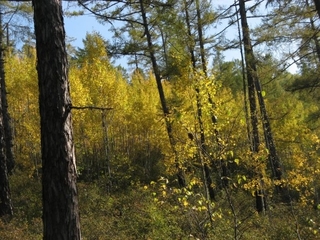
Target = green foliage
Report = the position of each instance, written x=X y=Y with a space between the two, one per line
x=159 y=211
x=26 y=199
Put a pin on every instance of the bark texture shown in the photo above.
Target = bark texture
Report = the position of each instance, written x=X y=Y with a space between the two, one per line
x=60 y=200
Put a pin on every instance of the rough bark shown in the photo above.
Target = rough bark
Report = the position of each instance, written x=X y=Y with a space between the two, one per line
x=60 y=200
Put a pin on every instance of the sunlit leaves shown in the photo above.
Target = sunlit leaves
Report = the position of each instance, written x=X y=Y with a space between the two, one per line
x=22 y=86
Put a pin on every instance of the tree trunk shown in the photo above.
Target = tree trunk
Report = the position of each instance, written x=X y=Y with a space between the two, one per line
x=201 y=40
x=314 y=29
x=273 y=156
x=5 y=198
x=165 y=109
x=223 y=165
x=251 y=75
x=251 y=78
x=206 y=169
x=255 y=87
x=244 y=82
x=317 y=5
x=6 y=117
x=59 y=191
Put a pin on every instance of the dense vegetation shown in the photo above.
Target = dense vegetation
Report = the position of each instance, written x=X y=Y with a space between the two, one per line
x=130 y=151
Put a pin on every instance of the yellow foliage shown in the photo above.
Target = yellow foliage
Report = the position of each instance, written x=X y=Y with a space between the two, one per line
x=22 y=86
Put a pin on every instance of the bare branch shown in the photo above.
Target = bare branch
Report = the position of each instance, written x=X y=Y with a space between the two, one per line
x=91 y=108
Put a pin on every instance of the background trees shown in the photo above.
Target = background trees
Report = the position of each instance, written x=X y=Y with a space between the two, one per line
x=126 y=164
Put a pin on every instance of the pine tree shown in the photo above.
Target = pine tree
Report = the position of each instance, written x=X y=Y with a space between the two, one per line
x=254 y=89
x=60 y=201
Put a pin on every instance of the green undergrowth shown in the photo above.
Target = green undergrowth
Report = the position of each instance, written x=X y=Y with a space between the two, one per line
x=156 y=211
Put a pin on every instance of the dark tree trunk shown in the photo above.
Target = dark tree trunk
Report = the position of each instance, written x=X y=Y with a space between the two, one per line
x=254 y=87
x=206 y=169
x=251 y=75
x=5 y=113
x=273 y=156
x=5 y=198
x=6 y=118
x=251 y=78
x=260 y=201
x=165 y=109
x=317 y=5
x=314 y=29
x=201 y=40
x=60 y=197
x=223 y=166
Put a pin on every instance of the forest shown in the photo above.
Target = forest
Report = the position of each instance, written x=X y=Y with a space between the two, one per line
x=178 y=143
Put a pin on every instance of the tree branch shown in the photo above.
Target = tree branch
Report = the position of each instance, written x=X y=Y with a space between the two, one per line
x=91 y=108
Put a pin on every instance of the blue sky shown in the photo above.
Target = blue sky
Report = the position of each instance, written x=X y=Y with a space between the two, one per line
x=77 y=28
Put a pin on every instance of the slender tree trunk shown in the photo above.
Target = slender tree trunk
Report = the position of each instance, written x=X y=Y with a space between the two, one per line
x=317 y=46
x=255 y=87
x=273 y=156
x=317 y=5
x=251 y=75
x=60 y=197
x=251 y=78
x=107 y=150
x=206 y=169
x=6 y=116
x=165 y=109
x=314 y=36
x=223 y=165
x=201 y=40
x=5 y=197
x=244 y=83
x=165 y=52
